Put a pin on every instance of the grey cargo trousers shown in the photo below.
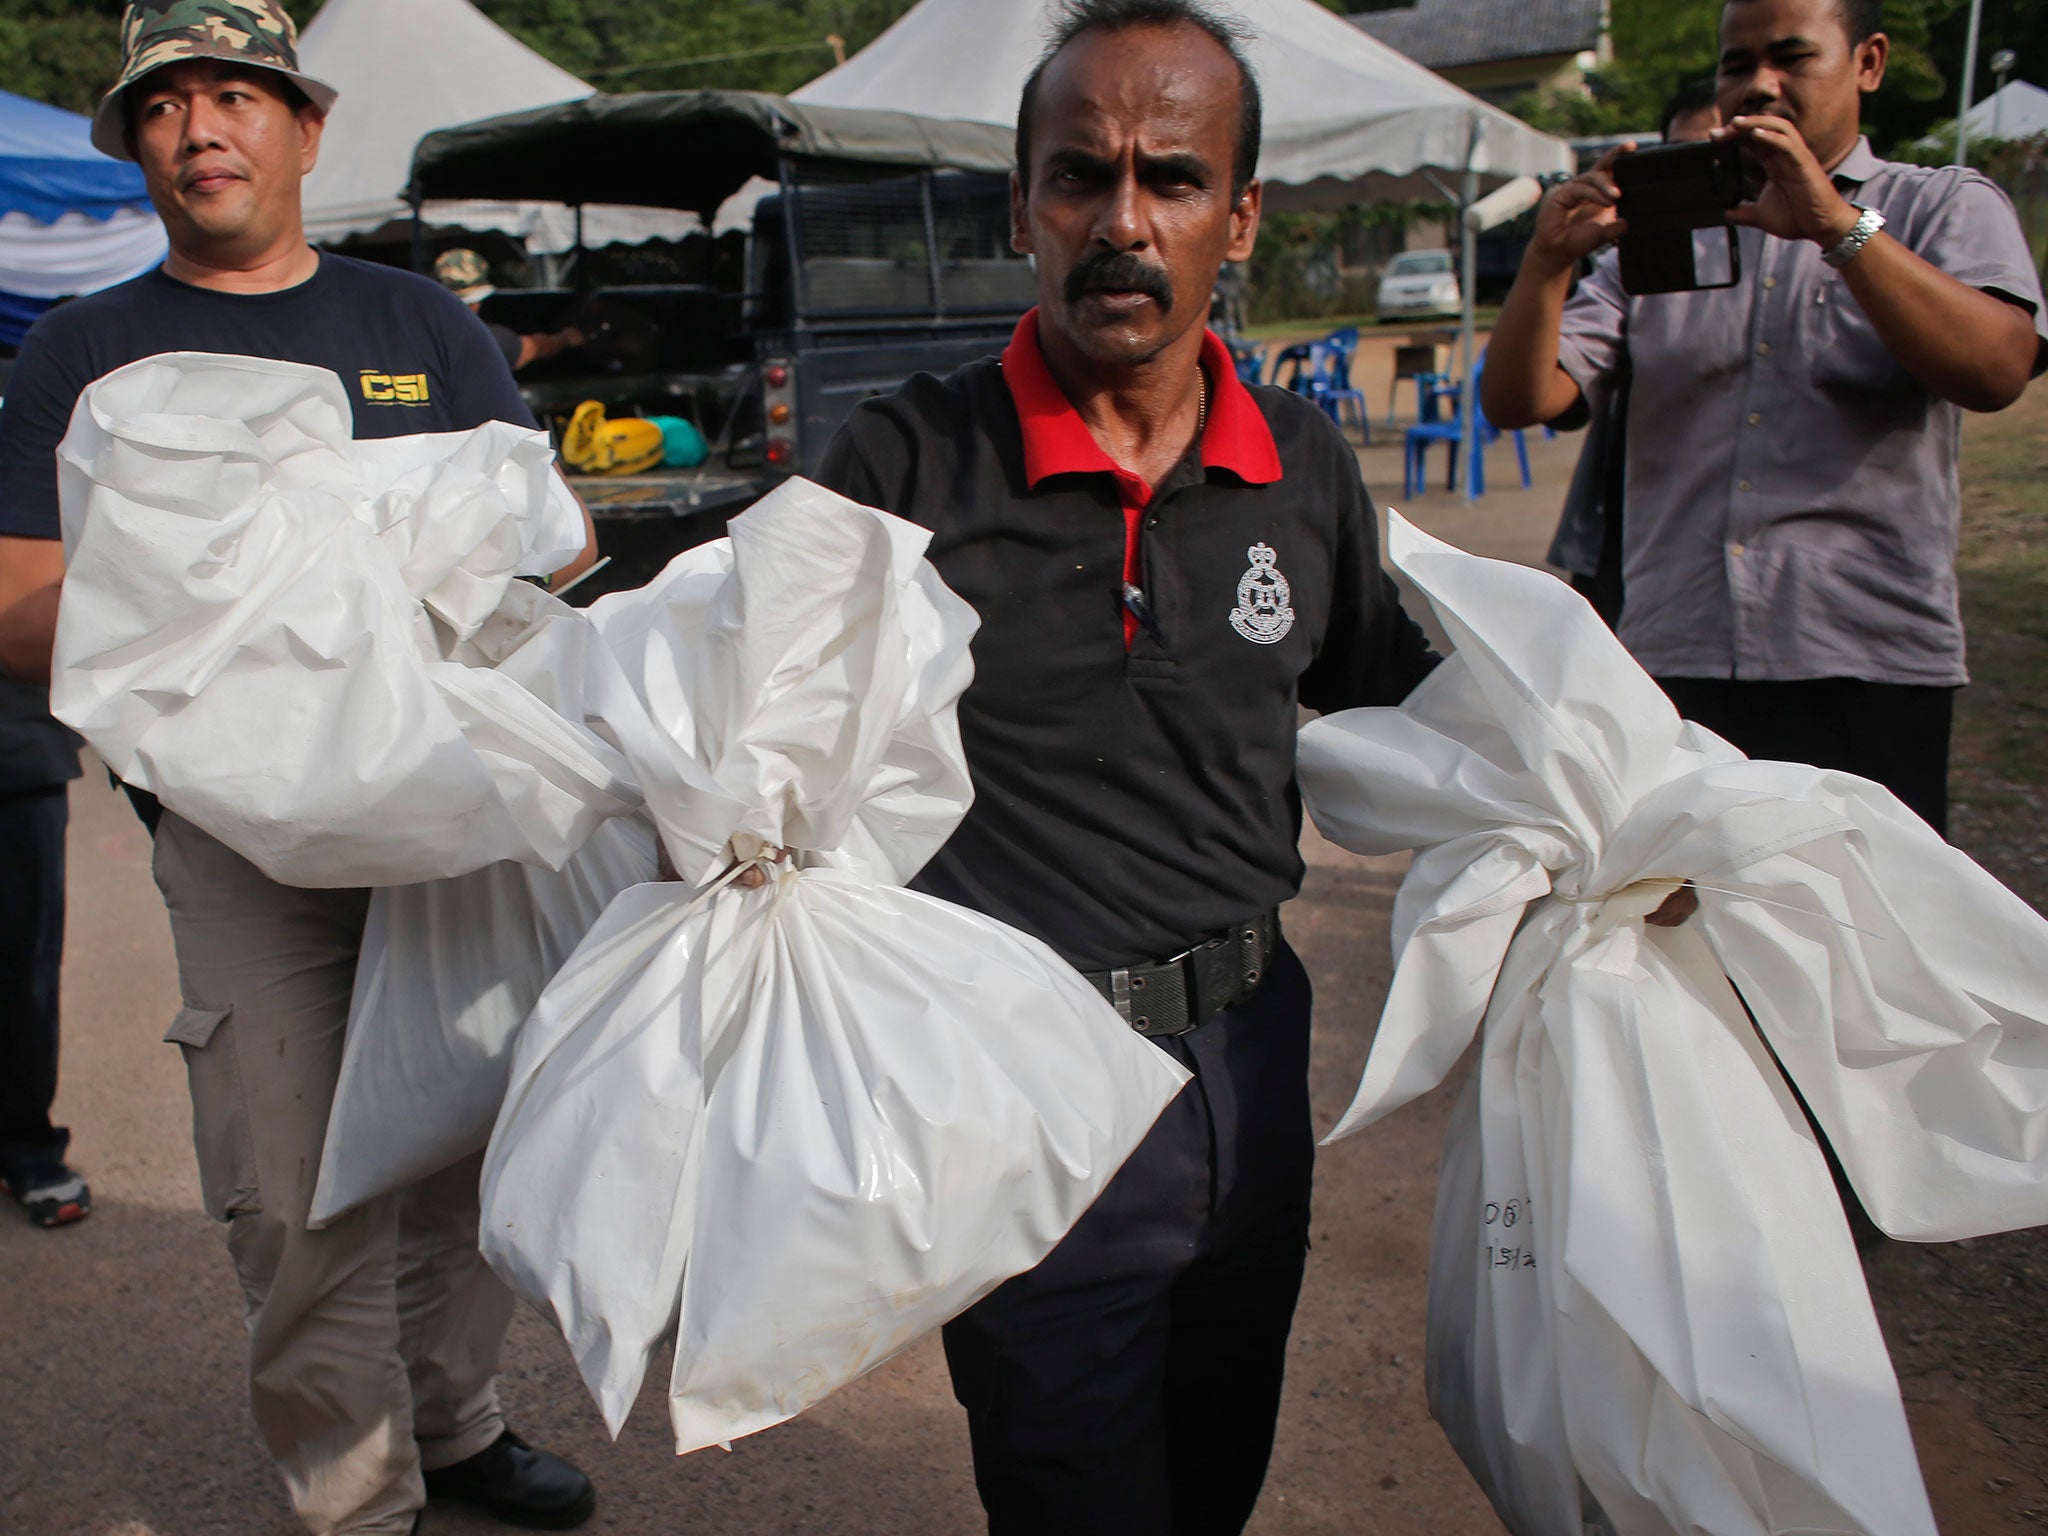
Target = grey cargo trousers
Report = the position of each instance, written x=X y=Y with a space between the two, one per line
x=373 y=1343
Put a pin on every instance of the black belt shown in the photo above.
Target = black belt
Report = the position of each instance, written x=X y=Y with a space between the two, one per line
x=1189 y=990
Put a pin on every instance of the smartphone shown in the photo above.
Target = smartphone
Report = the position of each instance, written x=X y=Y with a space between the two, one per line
x=1667 y=192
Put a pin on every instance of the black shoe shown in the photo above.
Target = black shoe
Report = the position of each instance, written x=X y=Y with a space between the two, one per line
x=51 y=1194
x=510 y=1480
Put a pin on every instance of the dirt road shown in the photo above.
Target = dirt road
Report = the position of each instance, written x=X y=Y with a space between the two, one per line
x=121 y=1395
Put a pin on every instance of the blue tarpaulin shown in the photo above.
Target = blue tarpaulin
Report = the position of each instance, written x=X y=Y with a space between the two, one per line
x=71 y=220
x=48 y=167
x=17 y=314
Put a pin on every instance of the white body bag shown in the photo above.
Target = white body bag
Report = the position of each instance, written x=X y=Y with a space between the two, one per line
x=797 y=1127
x=1644 y=1300
x=314 y=648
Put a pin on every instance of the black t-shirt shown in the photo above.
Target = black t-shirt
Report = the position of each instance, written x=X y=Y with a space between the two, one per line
x=410 y=354
x=509 y=341
x=1129 y=802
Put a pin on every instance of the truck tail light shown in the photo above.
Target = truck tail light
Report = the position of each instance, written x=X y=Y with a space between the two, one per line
x=778 y=409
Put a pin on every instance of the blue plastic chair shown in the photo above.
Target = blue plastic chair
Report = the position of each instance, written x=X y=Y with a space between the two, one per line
x=1451 y=433
x=1337 y=391
x=1298 y=363
x=1321 y=371
x=1431 y=391
x=1248 y=359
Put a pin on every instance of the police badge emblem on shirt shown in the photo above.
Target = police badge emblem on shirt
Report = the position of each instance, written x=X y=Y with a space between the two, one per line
x=1263 y=615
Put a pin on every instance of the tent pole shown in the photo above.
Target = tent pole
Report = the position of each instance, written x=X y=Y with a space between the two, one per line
x=1969 y=79
x=1468 y=245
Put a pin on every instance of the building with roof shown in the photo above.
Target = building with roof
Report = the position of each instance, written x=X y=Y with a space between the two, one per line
x=1498 y=49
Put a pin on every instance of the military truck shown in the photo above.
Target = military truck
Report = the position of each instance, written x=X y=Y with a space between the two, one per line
x=878 y=248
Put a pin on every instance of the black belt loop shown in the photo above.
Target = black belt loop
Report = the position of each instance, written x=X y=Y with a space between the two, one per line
x=1185 y=992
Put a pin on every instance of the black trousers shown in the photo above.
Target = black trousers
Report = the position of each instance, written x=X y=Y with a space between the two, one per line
x=31 y=948
x=1894 y=733
x=1130 y=1384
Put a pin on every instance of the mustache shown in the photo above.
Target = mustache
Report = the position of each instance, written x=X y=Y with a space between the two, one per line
x=1119 y=269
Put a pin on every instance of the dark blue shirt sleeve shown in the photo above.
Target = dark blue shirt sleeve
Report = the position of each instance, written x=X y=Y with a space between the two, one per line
x=480 y=380
x=44 y=387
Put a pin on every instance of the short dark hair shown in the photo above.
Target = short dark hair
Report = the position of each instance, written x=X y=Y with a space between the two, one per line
x=1688 y=99
x=1863 y=18
x=1860 y=18
x=1077 y=16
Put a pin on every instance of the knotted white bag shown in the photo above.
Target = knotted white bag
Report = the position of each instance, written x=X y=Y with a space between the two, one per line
x=1642 y=1279
x=798 y=1126
x=314 y=648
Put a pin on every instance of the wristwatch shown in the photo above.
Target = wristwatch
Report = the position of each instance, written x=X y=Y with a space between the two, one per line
x=1868 y=222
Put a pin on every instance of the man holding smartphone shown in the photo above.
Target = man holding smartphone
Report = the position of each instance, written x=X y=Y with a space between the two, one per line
x=1792 y=498
x=1588 y=542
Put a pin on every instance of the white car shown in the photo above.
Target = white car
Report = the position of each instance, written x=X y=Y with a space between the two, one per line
x=1420 y=283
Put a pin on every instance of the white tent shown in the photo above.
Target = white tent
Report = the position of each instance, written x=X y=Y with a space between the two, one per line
x=2015 y=111
x=407 y=67
x=1345 y=115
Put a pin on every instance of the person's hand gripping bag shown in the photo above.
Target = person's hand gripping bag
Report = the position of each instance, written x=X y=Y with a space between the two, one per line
x=1644 y=1300
x=798 y=1126
x=314 y=648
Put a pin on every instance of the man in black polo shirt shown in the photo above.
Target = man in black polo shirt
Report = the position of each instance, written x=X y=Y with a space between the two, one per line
x=1166 y=564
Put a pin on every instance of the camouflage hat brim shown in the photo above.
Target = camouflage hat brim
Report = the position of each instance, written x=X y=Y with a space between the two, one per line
x=157 y=33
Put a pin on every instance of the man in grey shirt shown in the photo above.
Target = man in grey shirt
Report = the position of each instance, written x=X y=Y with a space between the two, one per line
x=1588 y=541
x=1789 y=552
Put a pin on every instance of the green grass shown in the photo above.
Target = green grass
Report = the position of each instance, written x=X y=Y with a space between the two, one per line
x=2002 y=560
x=1273 y=329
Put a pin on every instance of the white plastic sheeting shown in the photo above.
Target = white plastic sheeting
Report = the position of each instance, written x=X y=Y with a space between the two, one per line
x=447 y=973
x=314 y=648
x=1346 y=116
x=806 y=1123
x=1642 y=1279
x=798 y=1126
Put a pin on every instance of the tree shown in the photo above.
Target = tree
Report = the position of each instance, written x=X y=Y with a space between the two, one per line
x=650 y=45
x=1663 y=45
x=67 y=52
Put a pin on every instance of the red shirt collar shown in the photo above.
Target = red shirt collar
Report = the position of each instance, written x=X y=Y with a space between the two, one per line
x=1058 y=442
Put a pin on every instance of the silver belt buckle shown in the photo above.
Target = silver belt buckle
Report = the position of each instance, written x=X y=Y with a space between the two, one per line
x=1120 y=993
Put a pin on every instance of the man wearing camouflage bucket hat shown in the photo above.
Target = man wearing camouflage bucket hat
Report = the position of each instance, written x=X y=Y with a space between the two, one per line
x=374 y=1341
x=467 y=275
x=159 y=32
